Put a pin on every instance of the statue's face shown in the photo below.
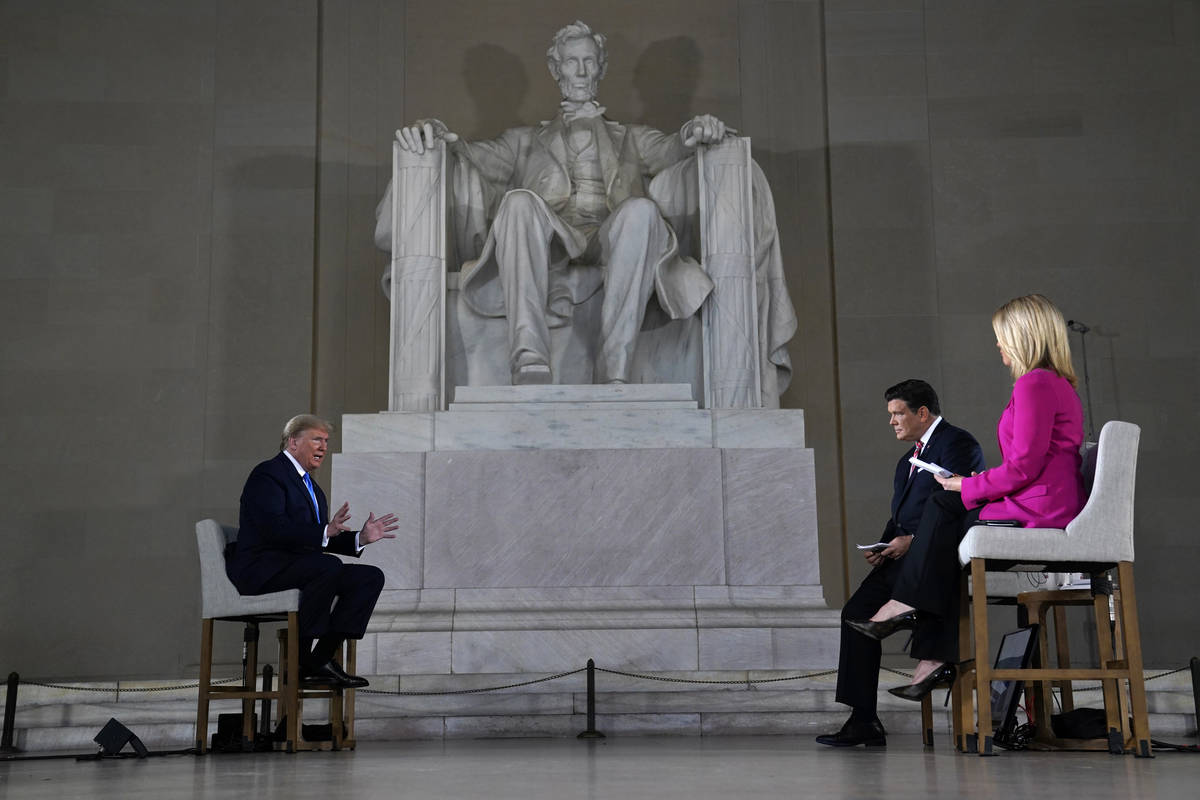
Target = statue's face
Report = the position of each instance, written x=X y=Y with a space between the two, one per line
x=579 y=70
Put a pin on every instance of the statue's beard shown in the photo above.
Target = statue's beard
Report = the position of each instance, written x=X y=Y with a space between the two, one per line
x=577 y=93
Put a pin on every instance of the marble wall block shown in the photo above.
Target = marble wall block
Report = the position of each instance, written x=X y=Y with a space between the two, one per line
x=647 y=649
x=770 y=517
x=387 y=432
x=409 y=653
x=572 y=429
x=380 y=483
x=633 y=518
x=574 y=607
x=768 y=648
x=758 y=427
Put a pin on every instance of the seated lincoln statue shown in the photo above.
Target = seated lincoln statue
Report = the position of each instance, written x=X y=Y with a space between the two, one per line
x=547 y=216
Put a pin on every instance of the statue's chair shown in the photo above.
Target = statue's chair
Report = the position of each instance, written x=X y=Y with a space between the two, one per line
x=437 y=342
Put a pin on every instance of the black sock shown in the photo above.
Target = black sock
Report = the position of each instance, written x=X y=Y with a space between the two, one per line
x=862 y=715
x=323 y=650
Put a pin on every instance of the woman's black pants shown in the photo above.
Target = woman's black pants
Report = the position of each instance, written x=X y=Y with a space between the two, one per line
x=930 y=575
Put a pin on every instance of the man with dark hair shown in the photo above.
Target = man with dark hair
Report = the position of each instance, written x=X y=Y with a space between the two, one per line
x=286 y=539
x=915 y=416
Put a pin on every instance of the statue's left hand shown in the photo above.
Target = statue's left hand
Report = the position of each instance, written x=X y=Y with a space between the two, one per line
x=704 y=129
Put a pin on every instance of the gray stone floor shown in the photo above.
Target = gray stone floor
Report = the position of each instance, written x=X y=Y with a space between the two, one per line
x=629 y=767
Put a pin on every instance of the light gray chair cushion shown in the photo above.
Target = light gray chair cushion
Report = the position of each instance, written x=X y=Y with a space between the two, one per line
x=218 y=596
x=1101 y=534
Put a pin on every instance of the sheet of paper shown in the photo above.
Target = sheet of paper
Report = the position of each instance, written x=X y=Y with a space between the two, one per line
x=929 y=466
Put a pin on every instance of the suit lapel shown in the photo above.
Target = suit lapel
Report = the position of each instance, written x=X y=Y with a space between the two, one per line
x=551 y=137
x=609 y=138
x=908 y=482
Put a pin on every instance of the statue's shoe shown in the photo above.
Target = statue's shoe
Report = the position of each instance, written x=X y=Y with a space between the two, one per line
x=531 y=374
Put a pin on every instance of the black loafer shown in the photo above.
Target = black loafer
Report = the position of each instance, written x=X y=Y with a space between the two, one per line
x=331 y=674
x=884 y=628
x=870 y=734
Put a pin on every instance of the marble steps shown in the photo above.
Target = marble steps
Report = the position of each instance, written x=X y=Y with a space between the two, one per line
x=55 y=719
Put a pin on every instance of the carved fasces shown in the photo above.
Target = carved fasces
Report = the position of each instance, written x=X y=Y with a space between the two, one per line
x=418 y=282
x=731 y=358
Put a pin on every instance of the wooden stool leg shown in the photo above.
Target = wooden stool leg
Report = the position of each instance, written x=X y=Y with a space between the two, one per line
x=1044 y=689
x=927 y=721
x=352 y=667
x=250 y=642
x=206 y=648
x=290 y=680
x=1115 y=713
x=1132 y=641
x=962 y=713
x=336 y=702
x=1062 y=644
x=983 y=678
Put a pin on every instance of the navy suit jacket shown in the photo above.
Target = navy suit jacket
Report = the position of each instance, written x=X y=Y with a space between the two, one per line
x=949 y=447
x=278 y=524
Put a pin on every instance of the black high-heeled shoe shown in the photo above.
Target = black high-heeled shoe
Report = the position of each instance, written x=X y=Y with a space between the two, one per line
x=942 y=676
x=884 y=628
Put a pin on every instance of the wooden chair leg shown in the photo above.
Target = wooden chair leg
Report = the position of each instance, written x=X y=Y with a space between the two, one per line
x=249 y=676
x=1062 y=644
x=1044 y=689
x=927 y=721
x=206 y=648
x=291 y=684
x=983 y=669
x=962 y=713
x=1115 y=712
x=349 y=741
x=336 y=714
x=1132 y=644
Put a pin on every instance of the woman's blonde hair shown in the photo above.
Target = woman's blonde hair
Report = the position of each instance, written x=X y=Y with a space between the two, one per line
x=1033 y=334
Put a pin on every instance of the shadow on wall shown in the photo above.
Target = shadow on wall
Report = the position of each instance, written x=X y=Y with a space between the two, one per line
x=666 y=76
x=497 y=82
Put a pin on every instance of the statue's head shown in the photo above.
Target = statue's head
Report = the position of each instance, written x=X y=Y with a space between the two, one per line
x=577 y=60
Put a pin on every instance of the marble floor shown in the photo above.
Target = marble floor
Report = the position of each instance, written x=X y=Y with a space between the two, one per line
x=619 y=767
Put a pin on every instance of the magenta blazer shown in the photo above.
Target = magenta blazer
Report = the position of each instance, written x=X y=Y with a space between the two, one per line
x=1038 y=481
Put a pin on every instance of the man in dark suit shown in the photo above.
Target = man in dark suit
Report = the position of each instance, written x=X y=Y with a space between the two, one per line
x=915 y=416
x=285 y=540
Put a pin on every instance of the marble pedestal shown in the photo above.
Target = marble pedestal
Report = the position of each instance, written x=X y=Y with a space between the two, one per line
x=545 y=525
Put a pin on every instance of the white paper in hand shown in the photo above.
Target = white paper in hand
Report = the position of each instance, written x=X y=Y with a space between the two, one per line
x=929 y=466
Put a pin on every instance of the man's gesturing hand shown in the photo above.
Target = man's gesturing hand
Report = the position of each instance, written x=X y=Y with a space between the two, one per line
x=338 y=523
x=375 y=529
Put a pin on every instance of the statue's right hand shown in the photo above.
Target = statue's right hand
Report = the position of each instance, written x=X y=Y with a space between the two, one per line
x=423 y=134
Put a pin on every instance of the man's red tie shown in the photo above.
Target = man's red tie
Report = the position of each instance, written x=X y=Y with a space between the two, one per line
x=917 y=454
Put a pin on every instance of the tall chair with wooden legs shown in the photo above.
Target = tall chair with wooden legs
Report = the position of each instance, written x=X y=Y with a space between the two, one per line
x=1097 y=540
x=220 y=601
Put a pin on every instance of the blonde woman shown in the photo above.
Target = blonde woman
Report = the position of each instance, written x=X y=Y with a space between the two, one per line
x=1038 y=484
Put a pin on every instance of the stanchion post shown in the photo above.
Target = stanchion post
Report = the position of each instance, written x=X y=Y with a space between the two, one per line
x=10 y=714
x=591 y=732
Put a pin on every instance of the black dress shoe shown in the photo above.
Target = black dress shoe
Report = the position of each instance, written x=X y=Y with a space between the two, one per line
x=331 y=674
x=942 y=676
x=884 y=628
x=853 y=733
